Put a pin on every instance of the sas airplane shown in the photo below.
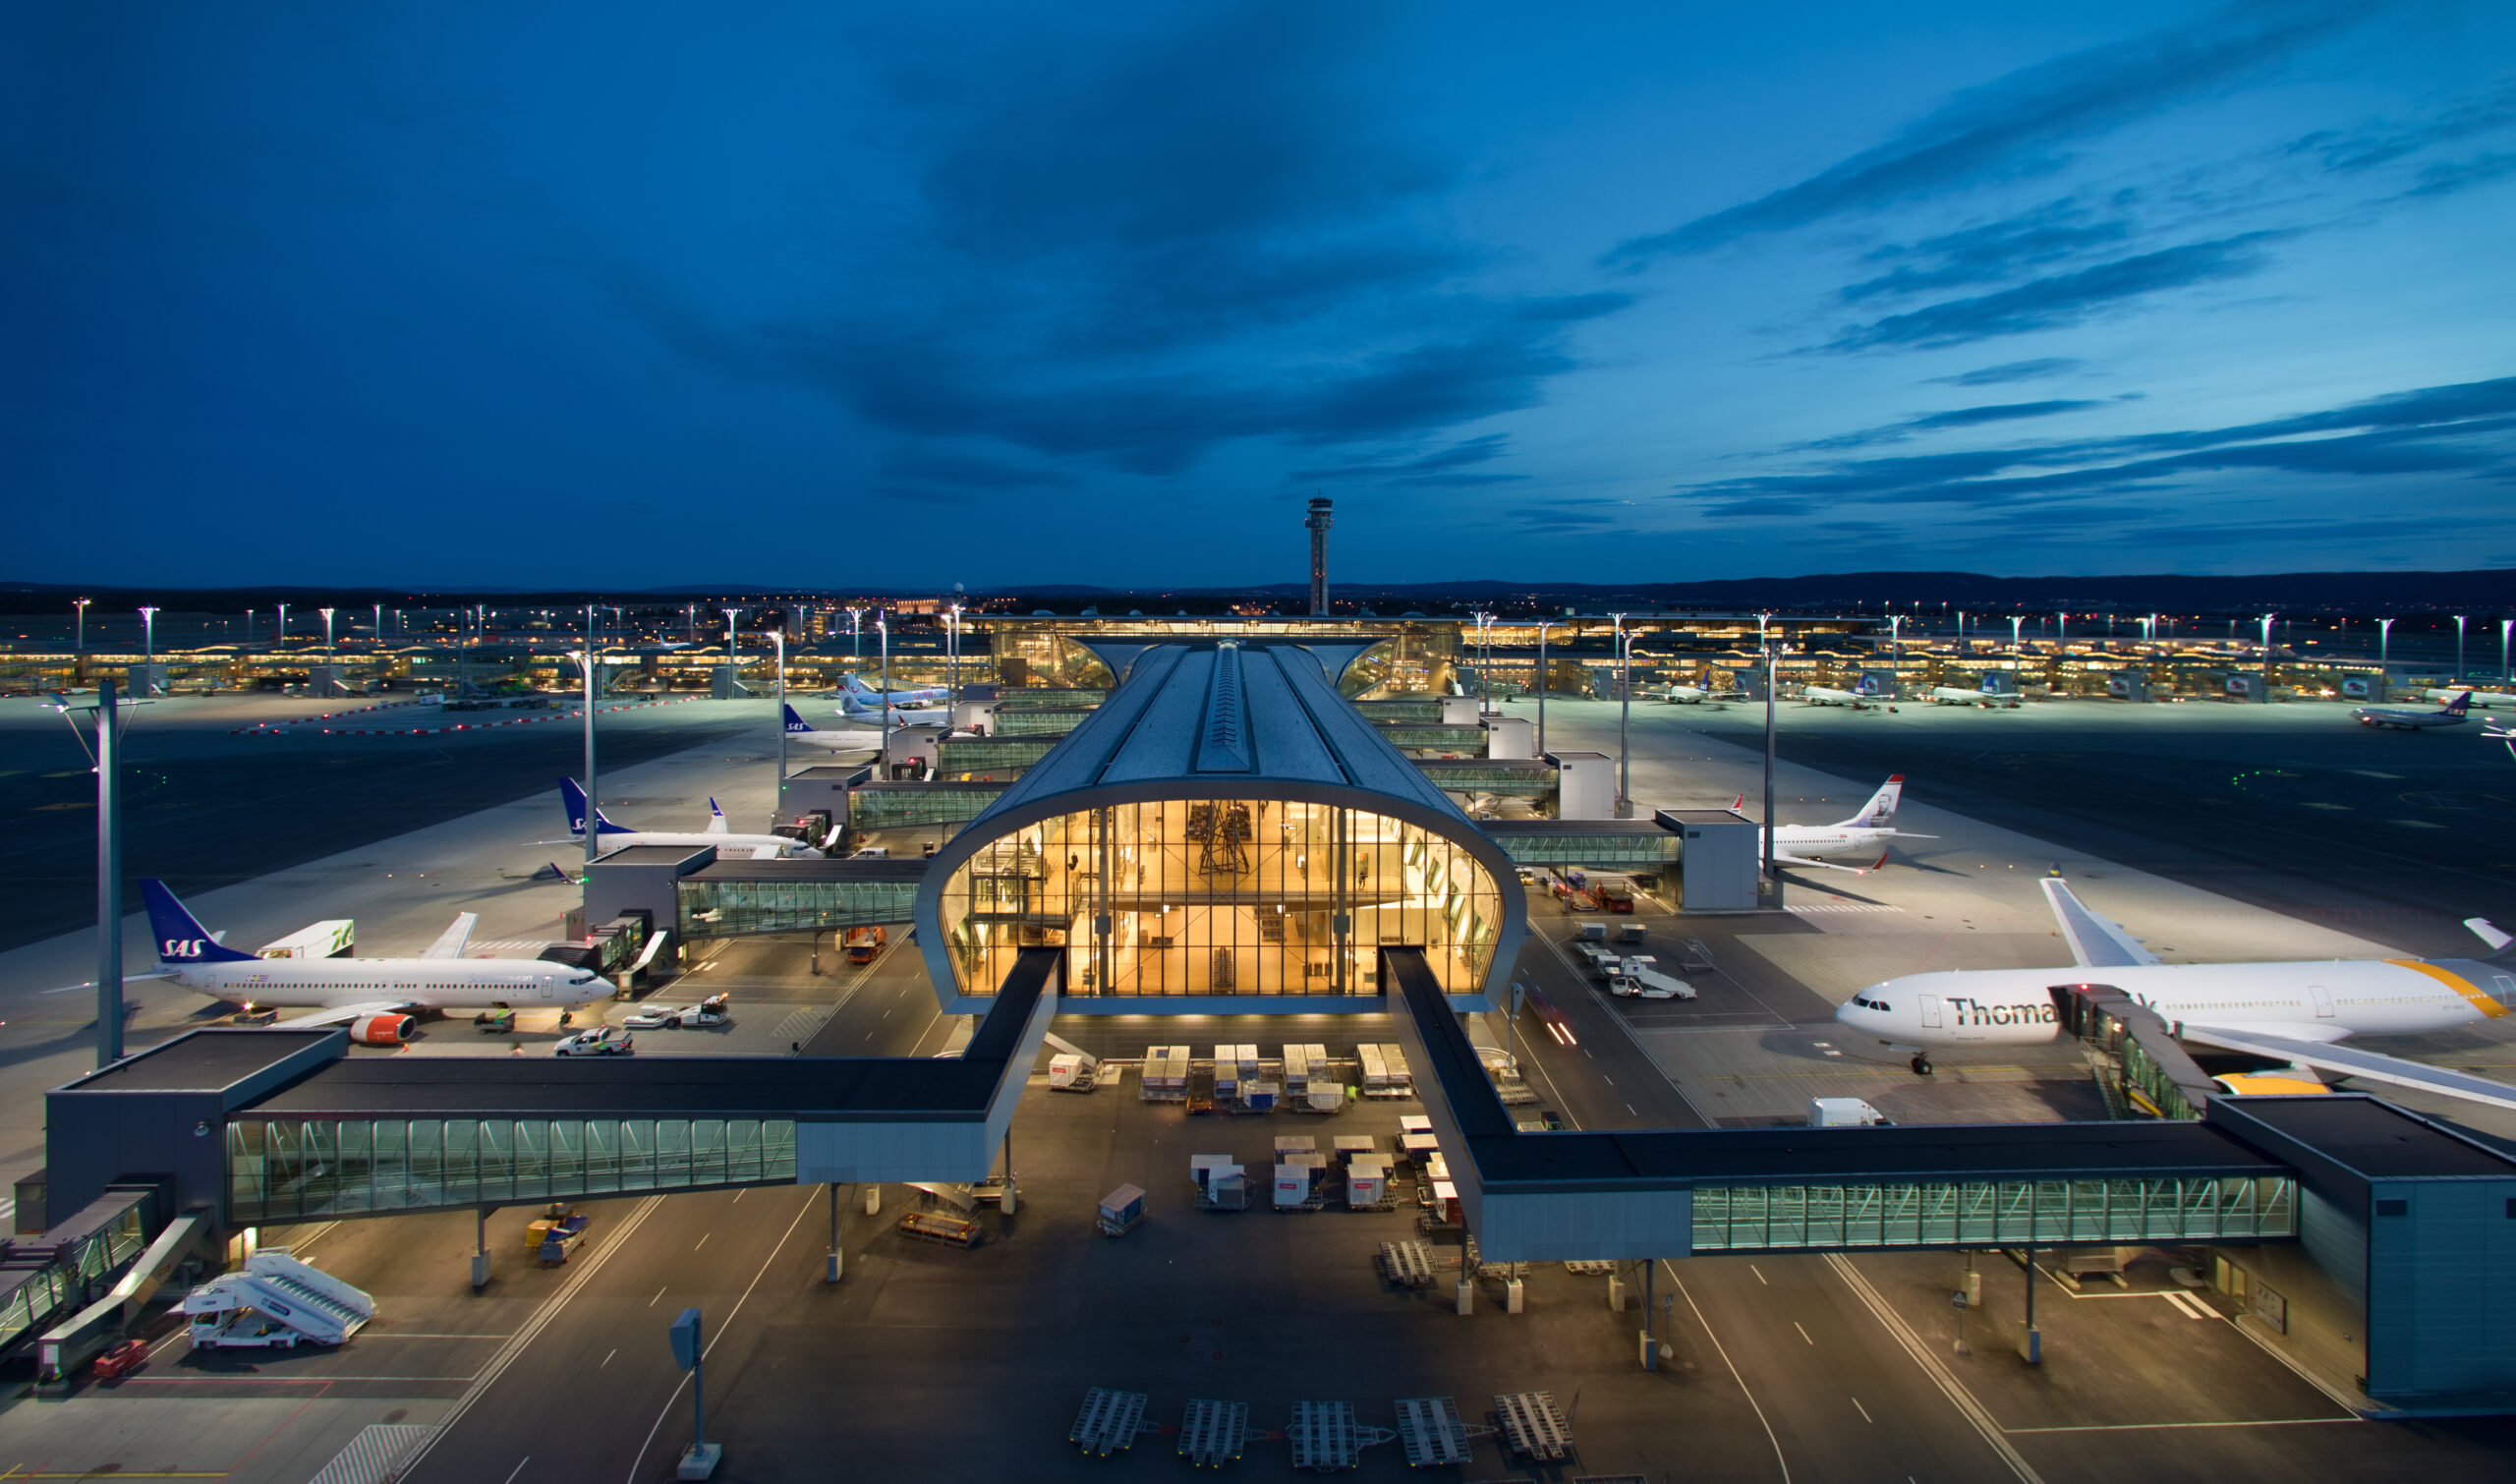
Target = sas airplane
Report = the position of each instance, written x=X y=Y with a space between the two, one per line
x=2482 y=699
x=1863 y=694
x=1680 y=695
x=1994 y=691
x=2403 y=717
x=720 y=832
x=2288 y=1012
x=373 y=996
x=804 y=734
x=1864 y=832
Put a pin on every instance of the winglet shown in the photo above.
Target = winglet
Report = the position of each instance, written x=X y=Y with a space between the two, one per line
x=2096 y=944
x=451 y=943
x=2488 y=932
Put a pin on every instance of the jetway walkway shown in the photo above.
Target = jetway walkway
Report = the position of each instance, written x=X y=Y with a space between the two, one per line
x=48 y=1277
x=305 y=1132
x=746 y=898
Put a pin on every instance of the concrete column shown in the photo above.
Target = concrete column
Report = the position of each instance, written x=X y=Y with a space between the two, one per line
x=1466 y=1295
x=838 y=1256
x=872 y=1200
x=1513 y=1299
x=480 y=1249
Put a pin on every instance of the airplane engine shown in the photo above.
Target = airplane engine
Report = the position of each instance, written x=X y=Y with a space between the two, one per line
x=382 y=1030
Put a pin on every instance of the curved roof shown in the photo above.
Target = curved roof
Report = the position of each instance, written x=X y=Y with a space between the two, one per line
x=1220 y=721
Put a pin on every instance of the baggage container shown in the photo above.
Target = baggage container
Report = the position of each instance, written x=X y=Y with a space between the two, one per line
x=1120 y=1210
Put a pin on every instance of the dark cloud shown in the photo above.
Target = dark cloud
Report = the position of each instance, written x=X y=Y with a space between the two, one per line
x=1962 y=416
x=2444 y=429
x=2011 y=128
x=2462 y=175
x=1444 y=468
x=2064 y=298
x=2347 y=152
x=1991 y=253
x=1218 y=234
x=936 y=470
x=2014 y=370
x=1544 y=519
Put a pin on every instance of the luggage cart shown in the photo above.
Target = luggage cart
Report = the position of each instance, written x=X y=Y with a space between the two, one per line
x=1108 y=1422
x=932 y=1227
x=1534 y=1426
x=1408 y=1265
x=1326 y=1438
x=1214 y=1433
x=1433 y=1434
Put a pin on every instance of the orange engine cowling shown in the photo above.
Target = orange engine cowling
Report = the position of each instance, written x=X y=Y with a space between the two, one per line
x=382 y=1030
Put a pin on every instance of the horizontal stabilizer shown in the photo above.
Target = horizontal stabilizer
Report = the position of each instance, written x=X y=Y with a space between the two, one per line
x=2351 y=1061
x=2096 y=944
x=341 y=1014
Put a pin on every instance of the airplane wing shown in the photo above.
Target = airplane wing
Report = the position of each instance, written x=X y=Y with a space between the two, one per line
x=1801 y=860
x=2350 y=1060
x=765 y=853
x=126 y=979
x=2096 y=944
x=340 y=1015
x=451 y=943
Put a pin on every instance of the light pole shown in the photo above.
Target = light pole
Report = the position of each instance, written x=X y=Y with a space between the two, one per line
x=778 y=814
x=1895 y=655
x=954 y=684
x=883 y=627
x=2061 y=630
x=380 y=625
x=2505 y=625
x=2460 y=621
x=1624 y=709
x=2266 y=654
x=733 y=658
x=1542 y=627
x=327 y=635
x=148 y=636
x=109 y=1011
x=594 y=810
x=79 y=645
x=856 y=633
x=280 y=639
x=1773 y=681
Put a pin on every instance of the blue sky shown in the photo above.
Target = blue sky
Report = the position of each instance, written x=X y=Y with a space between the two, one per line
x=833 y=295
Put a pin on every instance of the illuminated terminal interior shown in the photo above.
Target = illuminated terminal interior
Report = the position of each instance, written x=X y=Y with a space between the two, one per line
x=1226 y=828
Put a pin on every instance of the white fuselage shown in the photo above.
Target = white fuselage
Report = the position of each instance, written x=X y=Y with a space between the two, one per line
x=1831 y=839
x=2323 y=999
x=1949 y=695
x=444 y=984
x=2482 y=699
x=853 y=740
x=736 y=845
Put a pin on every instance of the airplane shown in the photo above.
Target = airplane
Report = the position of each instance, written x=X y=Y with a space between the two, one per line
x=898 y=716
x=852 y=686
x=1863 y=694
x=2481 y=699
x=804 y=734
x=2287 y=1011
x=1865 y=832
x=1680 y=695
x=2500 y=733
x=1991 y=693
x=719 y=833
x=373 y=998
x=2403 y=717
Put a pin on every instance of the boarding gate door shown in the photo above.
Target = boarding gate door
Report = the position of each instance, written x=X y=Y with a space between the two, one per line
x=2323 y=1000
x=1930 y=1012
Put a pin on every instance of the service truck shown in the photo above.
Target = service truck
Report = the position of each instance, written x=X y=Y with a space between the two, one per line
x=1843 y=1113
x=1637 y=975
x=864 y=942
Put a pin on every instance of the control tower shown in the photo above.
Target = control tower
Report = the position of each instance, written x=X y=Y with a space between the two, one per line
x=1317 y=524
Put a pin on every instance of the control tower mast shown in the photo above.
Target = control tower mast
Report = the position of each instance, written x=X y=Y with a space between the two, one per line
x=1317 y=524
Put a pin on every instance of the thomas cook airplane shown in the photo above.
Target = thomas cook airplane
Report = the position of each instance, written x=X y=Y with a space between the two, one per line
x=2290 y=1012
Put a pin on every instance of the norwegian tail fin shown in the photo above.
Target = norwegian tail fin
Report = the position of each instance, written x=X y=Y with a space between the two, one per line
x=179 y=937
x=1880 y=810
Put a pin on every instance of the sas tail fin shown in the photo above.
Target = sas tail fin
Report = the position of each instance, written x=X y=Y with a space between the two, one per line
x=573 y=796
x=796 y=723
x=1880 y=810
x=2460 y=704
x=716 y=824
x=180 y=936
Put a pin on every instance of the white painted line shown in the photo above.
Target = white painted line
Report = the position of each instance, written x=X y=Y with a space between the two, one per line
x=519 y=1468
x=702 y=1242
x=2138 y=1427
x=1949 y=1386
x=1864 y=1413
x=1803 y=1331
x=374 y=1333
x=607 y=1360
x=715 y=1338
x=1760 y=1276
x=659 y=1293
x=1723 y=1351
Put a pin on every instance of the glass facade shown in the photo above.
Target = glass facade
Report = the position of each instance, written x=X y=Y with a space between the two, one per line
x=1221 y=896
x=299 y=1169
x=898 y=806
x=1995 y=1213
x=39 y=1294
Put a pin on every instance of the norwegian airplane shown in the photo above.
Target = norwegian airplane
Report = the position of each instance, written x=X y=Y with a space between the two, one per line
x=2291 y=1012
x=373 y=998
x=1864 y=832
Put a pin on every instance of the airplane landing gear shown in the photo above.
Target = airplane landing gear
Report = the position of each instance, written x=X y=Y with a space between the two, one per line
x=1921 y=1064
x=568 y=1018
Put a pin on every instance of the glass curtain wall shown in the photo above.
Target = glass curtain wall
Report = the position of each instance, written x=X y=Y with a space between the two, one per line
x=1222 y=896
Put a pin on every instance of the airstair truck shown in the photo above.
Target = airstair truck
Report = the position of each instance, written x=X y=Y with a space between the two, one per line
x=276 y=1300
x=1639 y=975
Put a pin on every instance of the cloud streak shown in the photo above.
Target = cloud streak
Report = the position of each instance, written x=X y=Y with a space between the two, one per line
x=2011 y=128
x=2064 y=298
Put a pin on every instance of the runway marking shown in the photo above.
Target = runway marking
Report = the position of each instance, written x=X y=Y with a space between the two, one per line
x=1949 y=1386
x=2188 y=1307
x=519 y=1468
x=2135 y=1427
x=1723 y=1351
x=1803 y=1331
x=1760 y=1276
x=695 y=1246
x=607 y=1360
x=660 y=1293
x=717 y=1336
x=1864 y=1413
